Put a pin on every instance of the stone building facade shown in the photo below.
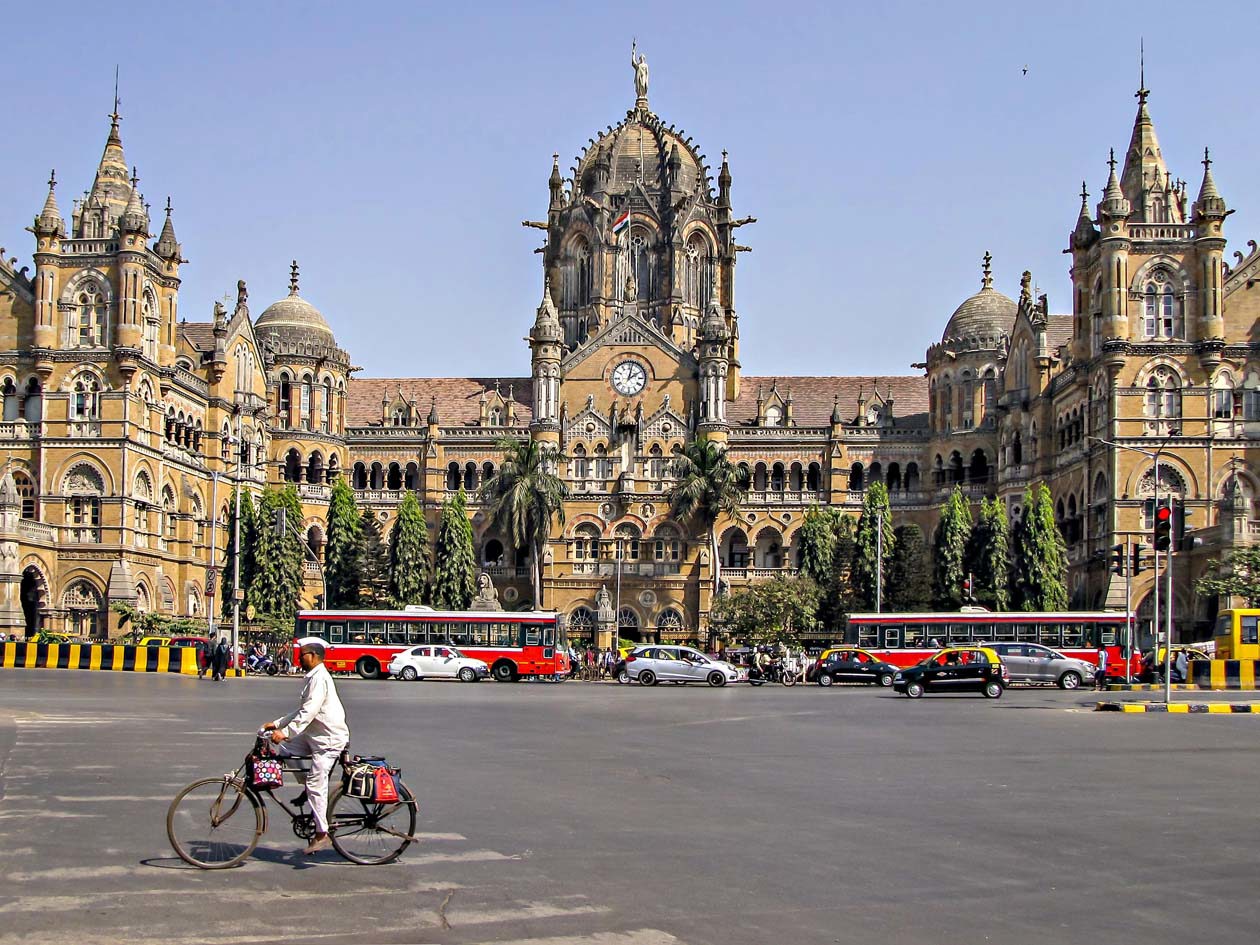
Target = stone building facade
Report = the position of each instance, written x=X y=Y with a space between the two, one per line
x=125 y=426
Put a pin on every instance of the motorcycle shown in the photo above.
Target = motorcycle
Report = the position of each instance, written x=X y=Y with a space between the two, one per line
x=775 y=672
x=266 y=664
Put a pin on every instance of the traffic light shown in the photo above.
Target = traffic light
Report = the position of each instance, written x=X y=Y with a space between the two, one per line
x=966 y=587
x=1137 y=567
x=1117 y=559
x=1163 y=525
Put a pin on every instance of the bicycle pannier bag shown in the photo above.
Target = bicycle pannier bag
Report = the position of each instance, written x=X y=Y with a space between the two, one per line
x=359 y=781
x=266 y=773
x=385 y=790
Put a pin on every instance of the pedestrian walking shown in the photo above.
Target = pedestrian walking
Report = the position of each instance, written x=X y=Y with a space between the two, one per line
x=1100 y=673
x=1181 y=666
x=219 y=659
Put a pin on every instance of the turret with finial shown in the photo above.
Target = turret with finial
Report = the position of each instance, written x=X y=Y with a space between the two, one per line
x=49 y=223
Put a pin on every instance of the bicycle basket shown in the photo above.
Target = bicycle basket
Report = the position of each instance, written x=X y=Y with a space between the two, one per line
x=371 y=779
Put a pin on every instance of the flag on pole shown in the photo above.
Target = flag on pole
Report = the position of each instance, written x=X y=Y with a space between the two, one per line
x=621 y=222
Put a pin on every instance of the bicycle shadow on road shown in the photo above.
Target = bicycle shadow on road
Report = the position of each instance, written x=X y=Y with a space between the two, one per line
x=293 y=859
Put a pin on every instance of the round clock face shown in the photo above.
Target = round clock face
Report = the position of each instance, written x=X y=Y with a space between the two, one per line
x=628 y=378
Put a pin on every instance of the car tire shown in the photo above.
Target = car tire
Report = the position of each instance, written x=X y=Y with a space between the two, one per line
x=914 y=690
x=409 y=673
x=467 y=674
x=623 y=677
x=1070 y=680
x=993 y=690
x=885 y=680
x=717 y=679
x=825 y=680
x=647 y=678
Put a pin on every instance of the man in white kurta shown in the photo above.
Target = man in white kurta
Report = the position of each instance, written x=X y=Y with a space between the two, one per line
x=318 y=728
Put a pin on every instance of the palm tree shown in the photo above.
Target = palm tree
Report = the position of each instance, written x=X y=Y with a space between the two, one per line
x=522 y=498
x=707 y=486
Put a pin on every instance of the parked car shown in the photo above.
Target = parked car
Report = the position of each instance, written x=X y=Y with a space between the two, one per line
x=1153 y=664
x=648 y=665
x=437 y=662
x=1033 y=663
x=955 y=669
x=853 y=664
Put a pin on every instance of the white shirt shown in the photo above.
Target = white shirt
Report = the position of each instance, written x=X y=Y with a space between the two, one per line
x=320 y=717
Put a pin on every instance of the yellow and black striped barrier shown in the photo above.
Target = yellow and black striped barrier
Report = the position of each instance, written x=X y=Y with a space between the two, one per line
x=1216 y=675
x=104 y=656
x=1182 y=708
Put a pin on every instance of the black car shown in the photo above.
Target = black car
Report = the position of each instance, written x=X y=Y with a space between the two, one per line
x=955 y=669
x=853 y=665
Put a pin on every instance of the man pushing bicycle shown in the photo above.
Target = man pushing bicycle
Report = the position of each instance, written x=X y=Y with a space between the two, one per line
x=318 y=728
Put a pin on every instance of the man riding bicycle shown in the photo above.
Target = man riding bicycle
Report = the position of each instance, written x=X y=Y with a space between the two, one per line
x=318 y=728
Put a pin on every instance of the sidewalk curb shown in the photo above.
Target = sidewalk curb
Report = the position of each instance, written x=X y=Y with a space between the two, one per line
x=1181 y=708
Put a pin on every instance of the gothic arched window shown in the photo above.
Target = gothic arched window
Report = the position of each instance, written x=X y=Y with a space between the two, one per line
x=86 y=404
x=149 y=324
x=1163 y=314
x=26 y=492
x=90 y=303
x=698 y=275
x=284 y=400
x=1163 y=395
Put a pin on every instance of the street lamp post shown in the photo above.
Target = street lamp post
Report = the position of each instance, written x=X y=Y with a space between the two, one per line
x=244 y=402
x=1168 y=618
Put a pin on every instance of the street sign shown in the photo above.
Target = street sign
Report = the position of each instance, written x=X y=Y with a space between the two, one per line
x=238 y=594
x=212 y=577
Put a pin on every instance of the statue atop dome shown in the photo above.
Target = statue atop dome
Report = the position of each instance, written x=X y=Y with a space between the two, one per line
x=639 y=65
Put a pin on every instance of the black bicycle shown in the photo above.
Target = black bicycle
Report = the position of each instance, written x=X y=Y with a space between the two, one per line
x=215 y=823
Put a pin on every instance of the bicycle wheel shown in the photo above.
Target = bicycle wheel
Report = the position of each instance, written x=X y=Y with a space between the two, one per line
x=214 y=823
x=369 y=833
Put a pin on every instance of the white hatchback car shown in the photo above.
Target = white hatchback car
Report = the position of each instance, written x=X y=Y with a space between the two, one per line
x=437 y=662
x=651 y=664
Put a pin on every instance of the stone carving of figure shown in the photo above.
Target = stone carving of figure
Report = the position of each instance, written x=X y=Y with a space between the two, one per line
x=640 y=66
x=632 y=289
x=220 y=313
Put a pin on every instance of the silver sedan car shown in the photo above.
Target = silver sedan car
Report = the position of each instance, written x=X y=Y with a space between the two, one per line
x=1034 y=663
x=655 y=663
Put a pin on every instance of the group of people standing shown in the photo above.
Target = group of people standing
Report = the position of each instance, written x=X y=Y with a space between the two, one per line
x=592 y=663
x=215 y=659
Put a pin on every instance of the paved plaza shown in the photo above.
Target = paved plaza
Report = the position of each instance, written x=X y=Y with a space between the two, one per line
x=631 y=816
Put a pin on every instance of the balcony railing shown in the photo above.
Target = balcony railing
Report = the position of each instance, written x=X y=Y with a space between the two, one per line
x=506 y=570
x=756 y=574
x=313 y=490
x=785 y=497
x=628 y=568
x=20 y=429
x=37 y=531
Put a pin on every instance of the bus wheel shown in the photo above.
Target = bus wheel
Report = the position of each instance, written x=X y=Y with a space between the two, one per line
x=368 y=668
x=504 y=671
x=1070 y=681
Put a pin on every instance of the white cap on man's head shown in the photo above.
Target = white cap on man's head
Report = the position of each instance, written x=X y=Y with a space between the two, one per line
x=311 y=643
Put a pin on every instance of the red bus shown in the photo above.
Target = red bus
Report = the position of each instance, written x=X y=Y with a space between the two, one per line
x=515 y=645
x=902 y=639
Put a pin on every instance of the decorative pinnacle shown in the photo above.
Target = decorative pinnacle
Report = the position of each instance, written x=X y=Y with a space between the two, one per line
x=1084 y=192
x=1111 y=160
x=52 y=179
x=986 y=281
x=293 y=278
x=135 y=178
x=1142 y=91
x=114 y=117
x=168 y=207
x=1207 y=158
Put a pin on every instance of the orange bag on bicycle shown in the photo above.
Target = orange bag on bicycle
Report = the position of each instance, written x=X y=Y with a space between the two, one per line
x=384 y=789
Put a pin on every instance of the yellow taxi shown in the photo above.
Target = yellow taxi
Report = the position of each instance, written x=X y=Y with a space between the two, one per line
x=955 y=669
x=1153 y=664
x=851 y=664
x=155 y=641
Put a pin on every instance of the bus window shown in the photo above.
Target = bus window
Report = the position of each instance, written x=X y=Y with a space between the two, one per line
x=396 y=633
x=959 y=633
x=336 y=633
x=508 y=634
x=1249 y=629
x=355 y=631
x=1224 y=624
x=417 y=633
x=981 y=632
x=1050 y=634
x=533 y=634
x=311 y=628
x=1073 y=635
x=893 y=636
x=1004 y=632
x=1111 y=633
x=548 y=634
x=457 y=633
x=914 y=635
x=867 y=636
x=1027 y=633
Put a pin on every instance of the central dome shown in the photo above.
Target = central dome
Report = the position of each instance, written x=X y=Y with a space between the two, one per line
x=642 y=146
x=986 y=315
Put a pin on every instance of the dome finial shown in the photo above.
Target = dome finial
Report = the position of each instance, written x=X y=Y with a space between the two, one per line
x=1142 y=91
x=293 y=278
x=986 y=282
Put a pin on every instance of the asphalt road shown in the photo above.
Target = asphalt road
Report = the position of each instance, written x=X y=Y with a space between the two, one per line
x=611 y=815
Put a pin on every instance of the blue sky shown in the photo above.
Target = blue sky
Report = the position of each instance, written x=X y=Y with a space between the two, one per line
x=394 y=149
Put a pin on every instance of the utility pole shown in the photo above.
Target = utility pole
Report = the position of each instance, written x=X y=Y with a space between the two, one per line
x=879 y=561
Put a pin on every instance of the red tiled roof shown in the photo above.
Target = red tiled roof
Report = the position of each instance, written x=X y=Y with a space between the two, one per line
x=1058 y=331
x=198 y=334
x=458 y=398
x=814 y=397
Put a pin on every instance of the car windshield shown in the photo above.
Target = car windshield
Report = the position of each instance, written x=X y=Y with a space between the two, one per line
x=451 y=651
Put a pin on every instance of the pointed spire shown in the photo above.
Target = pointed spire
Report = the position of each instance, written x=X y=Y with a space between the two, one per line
x=433 y=412
x=724 y=183
x=986 y=281
x=111 y=188
x=836 y=417
x=1144 y=166
x=547 y=324
x=49 y=221
x=1084 y=234
x=555 y=182
x=1114 y=203
x=167 y=246
x=134 y=217
x=293 y=279
x=1210 y=202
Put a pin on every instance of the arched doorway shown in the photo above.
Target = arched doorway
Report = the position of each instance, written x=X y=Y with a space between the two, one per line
x=628 y=625
x=34 y=594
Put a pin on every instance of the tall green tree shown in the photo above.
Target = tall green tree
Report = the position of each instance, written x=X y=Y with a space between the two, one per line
x=409 y=562
x=953 y=536
x=524 y=497
x=278 y=553
x=373 y=563
x=769 y=611
x=343 y=573
x=1040 y=555
x=868 y=562
x=1238 y=575
x=826 y=555
x=455 y=565
x=707 y=486
x=227 y=583
x=991 y=556
x=909 y=575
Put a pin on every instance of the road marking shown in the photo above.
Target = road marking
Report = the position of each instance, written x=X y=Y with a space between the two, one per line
x=45 y=814
x=468 y=856
x=458 y=918
x=634 y=937
x=742 y=718
x=108 y=798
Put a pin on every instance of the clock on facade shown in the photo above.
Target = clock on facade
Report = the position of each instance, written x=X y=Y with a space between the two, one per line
x=628 y=378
